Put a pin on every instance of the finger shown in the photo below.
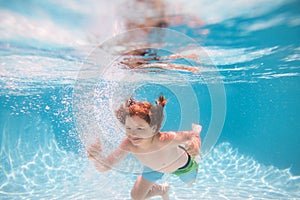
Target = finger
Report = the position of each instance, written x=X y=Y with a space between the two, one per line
x=89 y=155
x=200 y=129
x=98 y=142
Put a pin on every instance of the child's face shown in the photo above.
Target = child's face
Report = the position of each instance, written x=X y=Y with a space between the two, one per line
x=138 y=130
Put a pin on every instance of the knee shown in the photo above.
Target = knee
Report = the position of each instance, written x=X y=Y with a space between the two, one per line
x=135 y=195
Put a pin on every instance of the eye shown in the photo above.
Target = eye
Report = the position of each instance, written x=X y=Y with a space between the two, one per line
x=140 y=129
x=128 y=128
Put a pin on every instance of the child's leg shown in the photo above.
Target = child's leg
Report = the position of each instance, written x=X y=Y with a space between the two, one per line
x=190 y=177
x=161 y=190
x=144 y=189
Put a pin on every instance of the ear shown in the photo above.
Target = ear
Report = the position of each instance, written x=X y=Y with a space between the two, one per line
x=154 y=127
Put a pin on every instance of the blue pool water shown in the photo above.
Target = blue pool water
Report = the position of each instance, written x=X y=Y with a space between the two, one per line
x=250 y=152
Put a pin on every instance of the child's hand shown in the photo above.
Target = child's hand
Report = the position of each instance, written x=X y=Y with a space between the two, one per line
x=94 y=154
x=193 y=146
x=94 y=150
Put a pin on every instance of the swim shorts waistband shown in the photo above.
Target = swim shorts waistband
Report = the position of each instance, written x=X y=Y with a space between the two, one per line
x=192 y=165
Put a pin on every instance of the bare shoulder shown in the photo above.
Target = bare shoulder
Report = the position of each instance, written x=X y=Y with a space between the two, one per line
x=126 y=145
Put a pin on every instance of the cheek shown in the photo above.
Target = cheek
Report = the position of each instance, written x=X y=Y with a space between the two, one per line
x=128 y=132
x=150 y=132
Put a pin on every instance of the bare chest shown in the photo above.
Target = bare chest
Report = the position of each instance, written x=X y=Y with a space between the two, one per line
x=164 y=159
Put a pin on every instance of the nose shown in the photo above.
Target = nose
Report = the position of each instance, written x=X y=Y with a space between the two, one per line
x=130 y=133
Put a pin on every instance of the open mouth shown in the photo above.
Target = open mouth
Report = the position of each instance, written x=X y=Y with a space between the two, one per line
x=135 y=139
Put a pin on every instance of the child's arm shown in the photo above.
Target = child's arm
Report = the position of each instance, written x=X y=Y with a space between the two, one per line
x=190 y=139
x=103 y=163
x=193 y=145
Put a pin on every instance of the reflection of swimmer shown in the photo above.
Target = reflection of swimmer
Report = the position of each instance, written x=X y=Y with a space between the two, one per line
x=168 y=66
x=145 y=59
x=142 y=13
x=159 y=152
x=155 y=13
